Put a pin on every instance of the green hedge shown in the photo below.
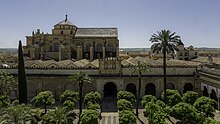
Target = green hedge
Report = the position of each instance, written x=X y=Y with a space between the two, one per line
x=89 y=117
x=127 y=117
x=93 y=97
x=124 y=104
x=126 y=95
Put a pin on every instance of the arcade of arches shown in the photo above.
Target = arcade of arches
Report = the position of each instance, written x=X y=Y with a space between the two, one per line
x=212 y=92
x=110 y=89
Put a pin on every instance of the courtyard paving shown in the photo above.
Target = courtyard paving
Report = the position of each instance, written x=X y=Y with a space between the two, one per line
x=113 y=118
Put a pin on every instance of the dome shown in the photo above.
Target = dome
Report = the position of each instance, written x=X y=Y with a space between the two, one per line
x=65 y=22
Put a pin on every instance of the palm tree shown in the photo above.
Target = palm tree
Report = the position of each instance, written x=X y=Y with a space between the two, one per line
x=81 y=78
x=60 y=115
x=167 y=42
x=139 y=68
x=18 y=114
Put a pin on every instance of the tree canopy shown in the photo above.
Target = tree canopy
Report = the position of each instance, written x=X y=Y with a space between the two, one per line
x=205 y=105
x=7 y=84
x=190 y=97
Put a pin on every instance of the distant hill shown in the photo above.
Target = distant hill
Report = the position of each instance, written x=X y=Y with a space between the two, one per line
x=134 y=49
x=14 y=50
x=8 y=50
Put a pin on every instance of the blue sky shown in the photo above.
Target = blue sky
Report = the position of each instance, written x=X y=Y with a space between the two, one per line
x=196 y=21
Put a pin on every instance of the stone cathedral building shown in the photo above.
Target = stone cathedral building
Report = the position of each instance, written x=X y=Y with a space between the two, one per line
x=68 y=41
x=52 y=58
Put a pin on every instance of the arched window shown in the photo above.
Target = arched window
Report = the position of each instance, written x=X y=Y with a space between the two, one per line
x=150 y=89
x=213 y=95
x=187 y=87
x=56 y=48
x=205 y=91
x=99 y=47
x=131 y=88
x=110 y=47
x=170 y=86
x=61 y=32
x=51 y=48
x=87 y=47
x=71 y=32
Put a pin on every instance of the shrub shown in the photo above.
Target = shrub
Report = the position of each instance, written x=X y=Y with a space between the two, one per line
x=173 y=97
x=43 y=99
x=186 y=113
x=69 y=95
x=93 y=97
x=155 y=113
x=92 y=106
x=205 y=105
x=69 y=99
x=126 y=95
x=211 y=121
x=69 y=105
x=4 y=102
x=7 y=84
x=147 y=98
x=60 y=115
x=127 y=117
x=89 y=117
x=35 y=115
x=190 y=97
x=124 y=104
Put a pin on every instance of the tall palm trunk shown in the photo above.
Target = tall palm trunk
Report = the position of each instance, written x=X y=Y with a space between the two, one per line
x=45 y=107
x=139 y=92
x=80 y=100
x=164 y=73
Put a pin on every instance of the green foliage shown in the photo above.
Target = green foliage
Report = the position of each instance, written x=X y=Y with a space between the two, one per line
x=205 y=105
x=211 y=121
x=69 y=99
x=60 y=115
x=92 y=106
x=15 y=102
x=7 y=84
x=173 y=97
x=93 y=97
x=16 y=114
x=124 y=104
x=69 y=104
x=186 y=113
x=43 y=99
x=4 y=102
x=35 y=115
x=80 y=77
x=89 y=117
x=190 y=97
x=22 y=84
x=165 y=39
x=69 y=95
x=148 y=98
x=127 y=117
x=156 y=114
x=126 y=95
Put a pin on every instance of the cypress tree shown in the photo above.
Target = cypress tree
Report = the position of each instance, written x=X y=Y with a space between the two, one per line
x=22 y=85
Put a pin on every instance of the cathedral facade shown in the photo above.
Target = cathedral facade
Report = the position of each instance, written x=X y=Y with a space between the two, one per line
x=67 y=41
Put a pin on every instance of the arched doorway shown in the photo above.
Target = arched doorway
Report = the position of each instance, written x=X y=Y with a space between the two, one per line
x=110 y=90
x=170 y=86
x=187 y=87
x=131 y=88
x=213 y=95
x=150 y=89
x=73 y=54
x=205 y=91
